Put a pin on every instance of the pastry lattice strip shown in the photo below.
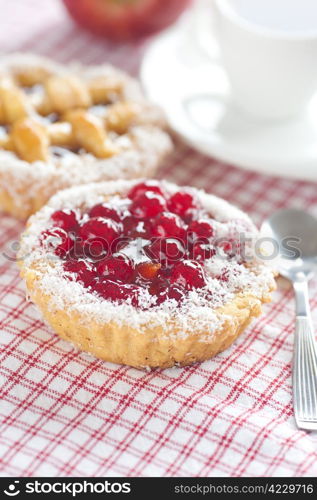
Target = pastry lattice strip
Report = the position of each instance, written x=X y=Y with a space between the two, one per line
x=30 y=135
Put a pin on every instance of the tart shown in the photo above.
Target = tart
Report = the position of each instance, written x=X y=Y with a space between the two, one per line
x=144 y=273
x=68 y=125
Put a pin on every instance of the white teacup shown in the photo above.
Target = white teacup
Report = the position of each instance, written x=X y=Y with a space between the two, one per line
x=270 y=56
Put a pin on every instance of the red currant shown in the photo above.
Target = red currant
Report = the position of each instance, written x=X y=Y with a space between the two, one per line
x=57 y=241
x=200 y=229
x=159 y=286
x=66 y=219
x=136 y=228
x=82 y=270
x=165 y=250
x=174 y=292
x=188 y=274
x=144 y=187
x=105 y=211
x=180 y=203
x=168 y=225
x=97 y=235
x=117 y=267
x=117 y=292
x=148 y=204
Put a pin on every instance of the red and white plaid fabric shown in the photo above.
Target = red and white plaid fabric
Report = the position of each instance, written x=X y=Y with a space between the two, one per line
x=65 y=413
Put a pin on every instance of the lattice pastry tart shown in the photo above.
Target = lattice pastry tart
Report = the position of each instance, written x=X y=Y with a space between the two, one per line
x=63 y=126
x=144 y=274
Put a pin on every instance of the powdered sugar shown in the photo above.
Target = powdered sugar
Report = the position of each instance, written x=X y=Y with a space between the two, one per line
x=199 y=309
x=135 y=250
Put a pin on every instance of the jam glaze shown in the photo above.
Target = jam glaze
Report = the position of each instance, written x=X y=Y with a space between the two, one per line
x=147 y=239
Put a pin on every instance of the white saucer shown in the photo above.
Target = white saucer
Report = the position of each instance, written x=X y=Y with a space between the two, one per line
x=192 y=88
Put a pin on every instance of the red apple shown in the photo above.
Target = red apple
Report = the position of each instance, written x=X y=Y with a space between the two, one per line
x=125 y=19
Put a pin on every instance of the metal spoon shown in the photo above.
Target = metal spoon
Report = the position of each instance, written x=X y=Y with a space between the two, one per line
x=297 y=229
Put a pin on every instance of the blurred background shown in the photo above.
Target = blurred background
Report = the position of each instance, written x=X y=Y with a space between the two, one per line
x=48 y=29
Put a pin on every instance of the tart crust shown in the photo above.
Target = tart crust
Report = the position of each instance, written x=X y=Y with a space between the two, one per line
x=26 y=186
x=119 y=340
x=126 y=345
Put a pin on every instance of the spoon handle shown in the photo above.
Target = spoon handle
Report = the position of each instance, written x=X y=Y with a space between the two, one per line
x=304 y=362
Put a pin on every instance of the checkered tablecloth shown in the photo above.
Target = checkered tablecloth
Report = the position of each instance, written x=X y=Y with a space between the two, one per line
x=66 y=413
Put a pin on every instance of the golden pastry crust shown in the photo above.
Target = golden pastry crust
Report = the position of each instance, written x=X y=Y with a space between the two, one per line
x=63 y=126
x=126 y=345
x=125 y=336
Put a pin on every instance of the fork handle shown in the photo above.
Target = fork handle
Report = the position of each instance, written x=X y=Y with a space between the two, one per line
x=304 y=362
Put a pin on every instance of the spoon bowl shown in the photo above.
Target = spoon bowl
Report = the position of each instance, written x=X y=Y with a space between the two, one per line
x=295 y=235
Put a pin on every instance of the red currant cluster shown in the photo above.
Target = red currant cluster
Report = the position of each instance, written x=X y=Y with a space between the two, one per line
x=177 y=238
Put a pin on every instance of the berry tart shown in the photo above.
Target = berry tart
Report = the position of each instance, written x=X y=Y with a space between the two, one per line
x=145 y=273
x=68 y=125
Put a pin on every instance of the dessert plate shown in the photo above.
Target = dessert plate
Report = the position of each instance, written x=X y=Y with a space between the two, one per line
x=195 y=95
